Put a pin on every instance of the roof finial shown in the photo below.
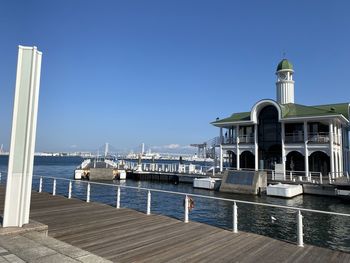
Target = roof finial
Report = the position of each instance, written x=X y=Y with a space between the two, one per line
x=284 y=54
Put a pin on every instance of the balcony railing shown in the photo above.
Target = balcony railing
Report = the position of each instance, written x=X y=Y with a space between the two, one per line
x=294 y=137
x=319 y=137
x=246 y=138
x=229 y=140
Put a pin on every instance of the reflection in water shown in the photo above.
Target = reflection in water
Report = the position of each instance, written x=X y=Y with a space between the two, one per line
x=322 y=230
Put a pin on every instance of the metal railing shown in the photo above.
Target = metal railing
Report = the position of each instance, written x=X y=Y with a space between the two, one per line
x=298 y=176
x=299 y=217
x=318 y=137
x=228 y=140
x=294 y=137
x=246 y=138
x=193 y=169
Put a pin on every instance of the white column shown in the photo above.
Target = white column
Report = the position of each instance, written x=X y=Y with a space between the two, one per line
x=283 y=150
x=221 y=159
x=331 y=148
x=25 y=109
x=237 y=147
x=341 y=165
x=306 y=151
x=221 y=137
x=256 y=147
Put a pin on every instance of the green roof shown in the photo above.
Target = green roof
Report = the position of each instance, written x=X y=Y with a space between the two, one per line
x=297 y=110
x=235 y=117
x=284 y=64
x=292 y=110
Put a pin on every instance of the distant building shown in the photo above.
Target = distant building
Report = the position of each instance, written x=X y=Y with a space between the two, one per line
x=298 y=137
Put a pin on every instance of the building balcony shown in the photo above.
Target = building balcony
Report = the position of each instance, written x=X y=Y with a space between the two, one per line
x=296 y=137
x=228 y=140
x=246 y=138
x=320 y=137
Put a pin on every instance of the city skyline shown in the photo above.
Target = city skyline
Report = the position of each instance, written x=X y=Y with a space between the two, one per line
x=159 y=72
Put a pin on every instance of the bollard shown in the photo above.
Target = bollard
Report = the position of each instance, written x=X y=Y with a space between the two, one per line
x=70 y=190
x=149 y=202
x=235 y=217
x=88 y=193
x=186 y=209
x=300 y=229
x=41 y=184
x=54 y=187
x=118 y=198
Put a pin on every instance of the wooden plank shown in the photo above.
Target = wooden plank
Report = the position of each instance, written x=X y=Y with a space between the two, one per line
x=125 y=235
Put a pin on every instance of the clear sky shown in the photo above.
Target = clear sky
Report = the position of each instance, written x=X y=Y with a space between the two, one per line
x=127 y=72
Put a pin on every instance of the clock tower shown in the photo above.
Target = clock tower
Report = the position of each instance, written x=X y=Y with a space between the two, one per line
x=285 y=82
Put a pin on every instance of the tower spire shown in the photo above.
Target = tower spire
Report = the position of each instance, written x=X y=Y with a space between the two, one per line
x=285 y=82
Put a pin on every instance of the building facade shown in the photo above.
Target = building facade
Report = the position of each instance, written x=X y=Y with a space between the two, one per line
x=281 y=133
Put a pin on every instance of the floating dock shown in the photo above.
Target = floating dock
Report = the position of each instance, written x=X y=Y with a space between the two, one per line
x=284 y=190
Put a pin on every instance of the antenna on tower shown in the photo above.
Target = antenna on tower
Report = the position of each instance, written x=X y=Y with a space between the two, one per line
x=284 y=54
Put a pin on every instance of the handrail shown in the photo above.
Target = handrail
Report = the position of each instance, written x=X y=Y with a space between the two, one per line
x=203 y=196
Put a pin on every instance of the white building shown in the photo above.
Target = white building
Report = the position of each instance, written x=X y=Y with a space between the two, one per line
x=301 y=138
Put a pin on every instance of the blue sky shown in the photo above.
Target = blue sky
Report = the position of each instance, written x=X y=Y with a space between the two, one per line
x=127 y=72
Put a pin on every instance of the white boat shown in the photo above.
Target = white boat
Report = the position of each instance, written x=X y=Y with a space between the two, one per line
x=78 y=174
x=284 y=190
x=205 y=183
x=119 y=174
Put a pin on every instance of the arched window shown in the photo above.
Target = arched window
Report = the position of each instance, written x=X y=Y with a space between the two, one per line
x=295 y=161
x=319 y=162
x=269 y=138
x=247 y=160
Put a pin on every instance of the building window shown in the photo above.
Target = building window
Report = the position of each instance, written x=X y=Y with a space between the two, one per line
x=294 y=133
x=269 y=138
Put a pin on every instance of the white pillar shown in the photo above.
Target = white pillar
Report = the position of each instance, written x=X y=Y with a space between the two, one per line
x=283 y=150
x=306 y=151
x=237 y=147
x=341 y=165
x=221 y=159
x=256 y=147
x=20 y=168
x=331 y=148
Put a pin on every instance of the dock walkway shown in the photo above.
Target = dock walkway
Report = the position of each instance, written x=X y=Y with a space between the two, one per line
x=125 y=235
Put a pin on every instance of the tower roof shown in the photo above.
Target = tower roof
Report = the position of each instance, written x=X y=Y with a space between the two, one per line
x=284 y=64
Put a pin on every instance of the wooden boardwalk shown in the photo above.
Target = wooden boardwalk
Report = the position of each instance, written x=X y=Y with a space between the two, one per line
x=125 y=235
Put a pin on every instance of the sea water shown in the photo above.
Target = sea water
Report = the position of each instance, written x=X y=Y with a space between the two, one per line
x=319 y=229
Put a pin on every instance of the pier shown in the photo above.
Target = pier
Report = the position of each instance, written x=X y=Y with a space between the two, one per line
x=124 y=235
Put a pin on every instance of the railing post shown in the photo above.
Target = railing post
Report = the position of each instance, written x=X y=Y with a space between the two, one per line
x=235 y=217
x=149 y=202
x=186 y=209
x=0 y=177
x=118 y=198
x=290 y=176
x=329 y=178
x=300 y=229
x=88 y=193
x=70 y=189
x=40 y=184
x=54 y=187
x=321 y=182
